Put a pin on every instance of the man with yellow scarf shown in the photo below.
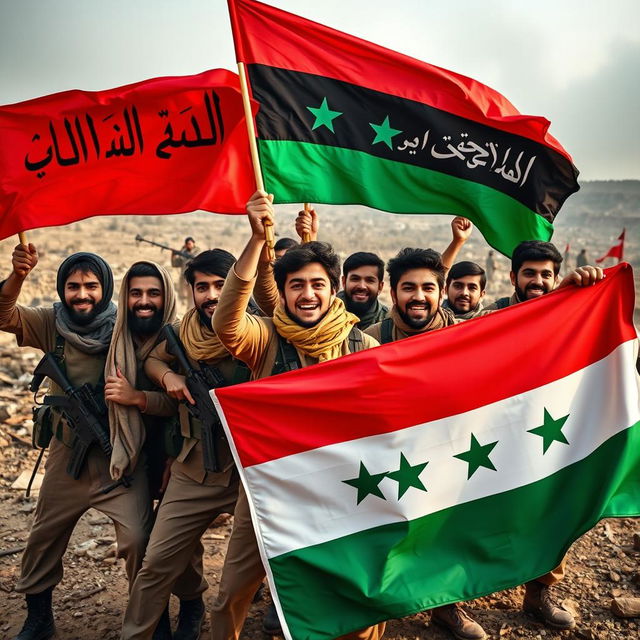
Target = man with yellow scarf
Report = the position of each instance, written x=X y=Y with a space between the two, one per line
x=309 y=325
x=194 y=496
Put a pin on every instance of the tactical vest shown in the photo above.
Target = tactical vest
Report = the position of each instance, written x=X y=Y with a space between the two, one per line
x=287 y=357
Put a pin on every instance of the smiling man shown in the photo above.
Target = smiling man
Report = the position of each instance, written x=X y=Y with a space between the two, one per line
x=140 y=414
x=362 y=283
x=309 y=325
x=417 y=279
x=194 y=496
x=466 y=283
x=535 y=266
x=77 y=332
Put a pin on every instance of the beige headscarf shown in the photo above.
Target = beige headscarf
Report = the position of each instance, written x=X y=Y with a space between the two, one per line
x=127 y=428
x=324 y=340
x=200 y=342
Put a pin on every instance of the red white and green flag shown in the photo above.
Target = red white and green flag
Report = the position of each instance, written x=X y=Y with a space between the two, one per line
x=445 y=466
x=345 y=121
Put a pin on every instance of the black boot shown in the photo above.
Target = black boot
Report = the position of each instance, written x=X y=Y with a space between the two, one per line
x=189 y=619
x=39 y=623
x=271 y=623
x=163 y=628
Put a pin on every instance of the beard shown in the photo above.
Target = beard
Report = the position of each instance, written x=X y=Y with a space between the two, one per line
x=522 y=293
x=417 y=325
x=205 y=318
x=144 y=326
x=85 y=318
x=358 y=308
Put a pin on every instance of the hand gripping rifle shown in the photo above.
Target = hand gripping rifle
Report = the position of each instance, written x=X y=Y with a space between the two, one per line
x=85 y=414
x=199 y=382
x=182 y=254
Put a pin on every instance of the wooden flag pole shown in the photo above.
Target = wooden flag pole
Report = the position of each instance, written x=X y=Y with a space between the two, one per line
x=22 y=237
x=253 y=147
x=306 y=236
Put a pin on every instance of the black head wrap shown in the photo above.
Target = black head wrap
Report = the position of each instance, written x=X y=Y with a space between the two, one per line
x=97 y=265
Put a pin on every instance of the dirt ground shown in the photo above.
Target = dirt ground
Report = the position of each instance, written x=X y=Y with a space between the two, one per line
x=89 y=602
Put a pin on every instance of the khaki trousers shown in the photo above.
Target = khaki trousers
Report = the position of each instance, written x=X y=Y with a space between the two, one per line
x=242 y=574
x=63 y=500
x=554 y=576
x=187 y=509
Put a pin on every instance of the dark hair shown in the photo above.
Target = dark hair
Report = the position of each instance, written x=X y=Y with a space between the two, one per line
x=285 y=244
x=143 y=270
x=535 y=251
x=407 y=259
x=466 y=268
x=214 y=262
x=189 y=238
x=363 y=259
x=305 y=254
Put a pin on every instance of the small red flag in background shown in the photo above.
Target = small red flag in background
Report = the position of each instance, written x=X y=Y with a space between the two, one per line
x=165 y=145
x=616 y=251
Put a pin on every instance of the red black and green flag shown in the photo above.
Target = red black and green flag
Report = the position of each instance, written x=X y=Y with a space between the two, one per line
x=345 y=121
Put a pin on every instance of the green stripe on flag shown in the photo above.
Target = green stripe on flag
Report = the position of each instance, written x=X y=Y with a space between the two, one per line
x=304 y=172
x=459 y=553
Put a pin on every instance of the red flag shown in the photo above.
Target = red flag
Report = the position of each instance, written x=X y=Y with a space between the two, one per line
x=616 y=251
x=165 y=145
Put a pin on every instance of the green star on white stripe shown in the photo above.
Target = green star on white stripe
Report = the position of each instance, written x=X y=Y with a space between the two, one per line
x=550 y=431
x=477 y=456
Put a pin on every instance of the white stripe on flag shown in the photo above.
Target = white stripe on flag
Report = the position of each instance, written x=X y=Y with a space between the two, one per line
x=305 y=502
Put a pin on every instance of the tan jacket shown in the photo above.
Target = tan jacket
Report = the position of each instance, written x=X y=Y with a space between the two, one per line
x=249 y=338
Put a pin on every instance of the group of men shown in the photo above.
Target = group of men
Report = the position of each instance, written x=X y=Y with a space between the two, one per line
x=138 y=363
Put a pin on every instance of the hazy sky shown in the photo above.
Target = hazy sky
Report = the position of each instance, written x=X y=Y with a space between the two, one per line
x=576 y=62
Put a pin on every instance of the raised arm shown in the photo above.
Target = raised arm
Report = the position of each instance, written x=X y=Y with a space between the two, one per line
x=245 y=336
x=461 y=229
x=23 y=260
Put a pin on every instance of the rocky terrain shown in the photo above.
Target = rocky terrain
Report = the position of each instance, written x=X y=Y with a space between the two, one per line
x=603 y=564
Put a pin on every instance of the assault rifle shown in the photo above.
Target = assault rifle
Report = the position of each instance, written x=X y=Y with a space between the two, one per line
x=85 y=414
x=199 y=382
x=182 y=254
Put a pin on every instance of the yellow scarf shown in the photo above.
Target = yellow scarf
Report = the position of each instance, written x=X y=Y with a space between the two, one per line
x=200 y=342
x=324 y=340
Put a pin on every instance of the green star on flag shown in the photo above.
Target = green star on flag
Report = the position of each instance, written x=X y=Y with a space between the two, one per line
x=367 y=483
x=384 y=132
x=324 y=116
x=408 y=476
x=477 y=456
x=550 y=431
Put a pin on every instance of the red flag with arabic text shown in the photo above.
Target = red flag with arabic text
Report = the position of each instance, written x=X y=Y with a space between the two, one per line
x=165 y=145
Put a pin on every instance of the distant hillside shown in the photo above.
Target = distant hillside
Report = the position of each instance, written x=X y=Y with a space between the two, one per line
x=600 y=200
